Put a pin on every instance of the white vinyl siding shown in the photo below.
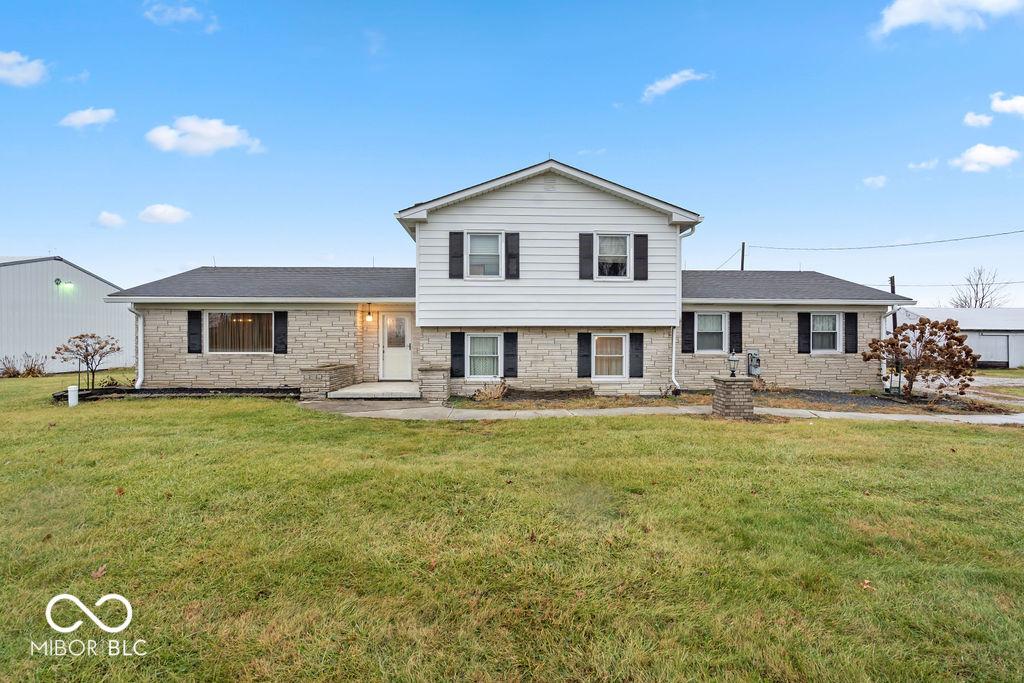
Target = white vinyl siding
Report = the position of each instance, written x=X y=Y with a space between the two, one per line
x=549 y=291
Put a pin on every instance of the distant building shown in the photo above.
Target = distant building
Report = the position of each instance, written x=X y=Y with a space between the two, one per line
x=997 y=334
x=46 y=300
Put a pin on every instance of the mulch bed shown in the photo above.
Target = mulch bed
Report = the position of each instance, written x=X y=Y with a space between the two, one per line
x=100 y=393
x=945 y=403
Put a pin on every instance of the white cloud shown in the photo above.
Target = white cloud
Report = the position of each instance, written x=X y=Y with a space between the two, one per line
x=957 y=15
x=201 y=137
x=163 y=213
x=17 y=69
x=109 y=220
x=977 y=120
x=875 y=182
x=81 y=77
x=662 y=86
x=164 y=15
x=88 y=117
x=923 y=165
x=1012 y=105
x=167 y=14
x=374 y=41
x=983 y=158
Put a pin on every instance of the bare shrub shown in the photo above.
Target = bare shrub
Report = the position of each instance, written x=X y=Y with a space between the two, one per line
x=110 y=381
x=9 y=367
x=91 y=349
x=927 y=350
x=492 y=392
x=33 y=365
x=760 y=385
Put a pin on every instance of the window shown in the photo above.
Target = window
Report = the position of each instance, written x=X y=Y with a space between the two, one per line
x=395 y=332
x=824 y=332
x=609 y=356
x=240 y=333
x=613 y=256
x=483 y=254
x=711 y=332
x=482 y=350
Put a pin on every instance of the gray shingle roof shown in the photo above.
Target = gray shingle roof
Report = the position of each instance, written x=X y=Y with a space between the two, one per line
x=306 y=283
x=776 y=285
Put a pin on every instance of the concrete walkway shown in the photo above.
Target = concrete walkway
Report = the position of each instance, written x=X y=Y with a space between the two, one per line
x=421 y=410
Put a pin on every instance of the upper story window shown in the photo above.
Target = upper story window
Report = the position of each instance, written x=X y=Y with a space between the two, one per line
x=711 y=332
x=240 y=332
x=483 y=255
x=612 y=256
x=824 y=332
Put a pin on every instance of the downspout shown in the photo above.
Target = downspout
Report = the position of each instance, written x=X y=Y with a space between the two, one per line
x=675 y=328
x=140 y=348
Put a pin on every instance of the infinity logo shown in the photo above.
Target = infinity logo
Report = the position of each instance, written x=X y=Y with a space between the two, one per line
x=88 y=612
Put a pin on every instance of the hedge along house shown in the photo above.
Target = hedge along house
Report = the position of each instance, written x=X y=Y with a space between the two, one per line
x=549 y=278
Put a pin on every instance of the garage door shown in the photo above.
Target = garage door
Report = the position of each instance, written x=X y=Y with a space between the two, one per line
x=994 y=348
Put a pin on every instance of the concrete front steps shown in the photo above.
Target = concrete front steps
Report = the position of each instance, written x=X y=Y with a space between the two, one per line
x=378 y=390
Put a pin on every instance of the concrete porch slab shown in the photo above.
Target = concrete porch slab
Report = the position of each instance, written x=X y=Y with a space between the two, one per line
x=377 y=390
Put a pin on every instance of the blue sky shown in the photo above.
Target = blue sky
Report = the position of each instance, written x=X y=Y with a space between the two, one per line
x=332 y=116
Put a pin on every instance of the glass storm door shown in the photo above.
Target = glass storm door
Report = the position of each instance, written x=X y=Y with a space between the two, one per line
x=396 y=346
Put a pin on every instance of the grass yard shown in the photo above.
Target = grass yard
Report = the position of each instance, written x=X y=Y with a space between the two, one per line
x=259 y=540
x=1016 y=373
x=1014 y=392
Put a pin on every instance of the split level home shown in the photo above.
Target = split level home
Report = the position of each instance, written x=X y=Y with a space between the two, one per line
x=549 y=278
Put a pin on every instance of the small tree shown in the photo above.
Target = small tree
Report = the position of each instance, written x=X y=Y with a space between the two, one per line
x=927 y=349
x=91 y=349
x=981 y=289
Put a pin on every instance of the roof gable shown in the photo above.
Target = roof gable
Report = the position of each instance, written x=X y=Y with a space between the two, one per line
x=417 y=213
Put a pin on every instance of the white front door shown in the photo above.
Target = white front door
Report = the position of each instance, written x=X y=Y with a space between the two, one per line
x=396 y=346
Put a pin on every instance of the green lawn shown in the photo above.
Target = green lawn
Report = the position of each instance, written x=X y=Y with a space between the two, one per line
x=1017 y=373
x=258 y=540
x=1016 y=392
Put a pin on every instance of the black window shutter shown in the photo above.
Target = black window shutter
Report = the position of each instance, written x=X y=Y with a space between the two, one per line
x=455 y=256
x=583 y=354
x=280 y=331
x=636 y=354
x=511 y=255
x=195 y=331
x=850 y=332
x=510 y=351
x=736 y=332
x=639 y=257
x=586 y=258
x=803 y=332
x=458 y=368
x=688 y=337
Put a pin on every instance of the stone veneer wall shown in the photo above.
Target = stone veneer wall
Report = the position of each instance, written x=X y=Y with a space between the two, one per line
x=733 y=398
x=319 y=381
x=547 y=360
x=369 y=339
x=772 y=330
x=315 y=337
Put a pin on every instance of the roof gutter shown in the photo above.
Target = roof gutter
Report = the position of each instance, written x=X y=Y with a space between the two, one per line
x=140 y=347
x=683 y=234
x=802 y=302
x=256 y=300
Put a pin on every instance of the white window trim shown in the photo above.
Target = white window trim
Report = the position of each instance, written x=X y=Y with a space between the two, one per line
x=839 y=335
x=206 y=334
x=725 y=333
x=501 y=255
x=629 y=257
x=501 y=352
x=593 y=358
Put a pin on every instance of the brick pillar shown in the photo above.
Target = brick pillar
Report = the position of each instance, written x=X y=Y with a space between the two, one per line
x=733 y=398
x=434 y=383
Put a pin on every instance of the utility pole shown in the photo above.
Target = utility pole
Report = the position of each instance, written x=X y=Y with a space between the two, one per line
x=892 y=289
x=743 y=255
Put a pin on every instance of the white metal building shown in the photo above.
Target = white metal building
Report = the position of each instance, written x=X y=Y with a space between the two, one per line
x=997 y=334
x=46 y=300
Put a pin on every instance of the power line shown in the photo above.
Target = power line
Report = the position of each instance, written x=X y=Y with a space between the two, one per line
x=955 y=284
x=885 y=246
x=728 y=259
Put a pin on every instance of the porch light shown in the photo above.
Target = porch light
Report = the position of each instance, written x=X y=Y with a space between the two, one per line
x=733 y=361
x=369 y=314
